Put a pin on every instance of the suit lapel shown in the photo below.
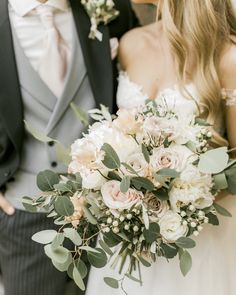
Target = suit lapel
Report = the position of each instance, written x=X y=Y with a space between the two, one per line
x=11 y=109
x=97 y=56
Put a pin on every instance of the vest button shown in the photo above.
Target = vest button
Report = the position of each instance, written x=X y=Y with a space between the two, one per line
x=54 y=164
x=51 y=143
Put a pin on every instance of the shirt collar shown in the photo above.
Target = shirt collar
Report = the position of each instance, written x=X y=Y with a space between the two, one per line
x=22 y=7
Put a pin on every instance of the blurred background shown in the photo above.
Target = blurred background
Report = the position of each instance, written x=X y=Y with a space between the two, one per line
x=146 y=13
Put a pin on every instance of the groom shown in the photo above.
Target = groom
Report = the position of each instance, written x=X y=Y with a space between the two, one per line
x=47 y=61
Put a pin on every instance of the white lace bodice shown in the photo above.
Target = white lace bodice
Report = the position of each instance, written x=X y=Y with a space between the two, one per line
x=131 y=95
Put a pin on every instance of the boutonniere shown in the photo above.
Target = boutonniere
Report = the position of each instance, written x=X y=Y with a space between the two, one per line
x=99 y=11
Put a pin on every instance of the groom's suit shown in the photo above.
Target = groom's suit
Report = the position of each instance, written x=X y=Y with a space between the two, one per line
x=91 y=80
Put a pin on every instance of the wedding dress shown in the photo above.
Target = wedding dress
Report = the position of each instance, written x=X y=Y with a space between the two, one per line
x=214 y=258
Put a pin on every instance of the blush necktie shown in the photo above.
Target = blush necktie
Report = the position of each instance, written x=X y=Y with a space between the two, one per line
x=53 y=65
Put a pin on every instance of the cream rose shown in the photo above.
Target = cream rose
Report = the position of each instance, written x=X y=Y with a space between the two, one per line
x=174 y=157
x=157 y=207
x=171 y=227
x=127 y=122
x=139 y=164
x=78 y=201
x=115 y=199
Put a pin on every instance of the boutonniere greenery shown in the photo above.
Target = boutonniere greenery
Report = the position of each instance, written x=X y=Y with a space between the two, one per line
x=100 y=12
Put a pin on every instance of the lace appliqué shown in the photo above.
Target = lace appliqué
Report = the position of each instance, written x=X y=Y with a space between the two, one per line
x=229 y=95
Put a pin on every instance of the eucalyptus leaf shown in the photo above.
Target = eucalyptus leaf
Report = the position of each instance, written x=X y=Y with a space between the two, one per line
x=113 y=283
x=89 y=216
x=82 y=268
x=125 y=184
x=220 y=181
x=59 y=255
x=167 y=172
x=46 y=180
x=40 y=136
x=73 y=235
x=231 y=179
x=185 y=262
x=214 y=161
x=64 y=206
x=105 y=247
x=141 y=182
x=57 y=241
x=111 y=159
x=78 y=279
x=63 y=266
x=145 y=153
x=213 y=219
x=185 y=243
x=44 y=237
x=98 y=259
x=222 y=210
x=89 y=249
x=80 y=114
x=105 y=112
x=152 y=233
x=169 y=250
x=133 y=278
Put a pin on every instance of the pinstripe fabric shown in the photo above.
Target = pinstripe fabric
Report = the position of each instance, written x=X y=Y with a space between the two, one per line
x=26 y=270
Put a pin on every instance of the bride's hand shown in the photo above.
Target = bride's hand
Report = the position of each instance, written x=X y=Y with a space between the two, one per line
x=222 y=195
x=5 y=206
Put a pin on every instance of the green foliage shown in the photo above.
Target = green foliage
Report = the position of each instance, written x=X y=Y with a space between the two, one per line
x=142 y=183
x=222 y=210
x=185 y=262
x=220 y=181
x=73 y=235
x=78 y=279
x=170 y=251
x=64 y=206
x=125 y=184
x=213 y=219
x=167 y=172
x=231 y=179
x=98 y=259
x=113 y=283
x=89 y=215
x=152 y=233
x=44 y=237
x=185 y=243
x=145 y=153
x=111 y=159
x=213 y=161
x=58 y=255
x=80 y=114
x=46 y=180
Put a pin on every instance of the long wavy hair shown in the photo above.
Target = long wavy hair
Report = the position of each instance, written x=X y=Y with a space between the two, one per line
x=200 y=29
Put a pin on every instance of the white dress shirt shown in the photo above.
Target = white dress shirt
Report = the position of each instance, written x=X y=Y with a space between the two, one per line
x=30 y=31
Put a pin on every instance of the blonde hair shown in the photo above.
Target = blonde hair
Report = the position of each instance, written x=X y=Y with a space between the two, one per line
x=202 y=28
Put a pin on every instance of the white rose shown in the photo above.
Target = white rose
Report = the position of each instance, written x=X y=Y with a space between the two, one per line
x=174 y=157
x=115 y=199
x=180 y=195
x=92 y=179
x=139 y=164
x=171 y=227
x=127 y=122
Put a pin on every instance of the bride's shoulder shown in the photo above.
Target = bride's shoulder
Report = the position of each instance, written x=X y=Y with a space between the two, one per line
x=228 y=66
x=136 y=42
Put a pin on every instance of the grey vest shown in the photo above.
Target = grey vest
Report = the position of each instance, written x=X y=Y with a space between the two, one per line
x=50 y=115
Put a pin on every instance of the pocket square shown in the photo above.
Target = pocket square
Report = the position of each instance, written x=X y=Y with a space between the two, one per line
x=114 y=44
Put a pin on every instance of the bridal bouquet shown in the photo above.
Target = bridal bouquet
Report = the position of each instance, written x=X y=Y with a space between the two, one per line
x=141 y=184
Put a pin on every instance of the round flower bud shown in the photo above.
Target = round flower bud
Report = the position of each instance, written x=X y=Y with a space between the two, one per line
x=115 y=223
x=109 y=220
x=206 y=220
x=209 y=134
x=185 y=223
x=106 y=229
x=199 y=228
x=108 y=212
x=193 y=224
x=129 y=216
x=116 y=230
x=183 y=213
x=204 y=131
x=191 y=208
x=196 y=233
x=122 y=218
x=127 y=227
x=135 y=228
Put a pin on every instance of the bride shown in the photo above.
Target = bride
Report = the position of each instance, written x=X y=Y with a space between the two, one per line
x=188 y=57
